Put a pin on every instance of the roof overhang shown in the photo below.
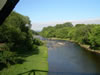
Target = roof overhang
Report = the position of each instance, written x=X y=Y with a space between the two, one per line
x=6 y=6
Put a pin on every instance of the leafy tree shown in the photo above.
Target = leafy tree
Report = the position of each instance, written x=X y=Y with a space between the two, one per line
x=79 y=25
x=81 y=33
x=17 y=36
x=94 y=37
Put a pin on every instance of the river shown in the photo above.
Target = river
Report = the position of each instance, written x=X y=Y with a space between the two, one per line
x=67 y=58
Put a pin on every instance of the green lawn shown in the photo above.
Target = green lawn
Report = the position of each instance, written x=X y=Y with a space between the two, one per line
x=33 y=62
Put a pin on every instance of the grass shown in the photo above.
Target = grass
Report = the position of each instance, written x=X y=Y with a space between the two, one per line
x=32 y=63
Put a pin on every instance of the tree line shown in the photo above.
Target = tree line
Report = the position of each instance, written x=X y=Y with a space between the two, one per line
x=88 y=34
x=16 y=38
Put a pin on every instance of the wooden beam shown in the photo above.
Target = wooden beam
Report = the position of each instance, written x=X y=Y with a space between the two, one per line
x=6 y=10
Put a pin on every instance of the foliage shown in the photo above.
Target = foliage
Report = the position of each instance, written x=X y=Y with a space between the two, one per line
x=81 y=33
x=37 y=42
x=6 y=56
x=17 y=36
x=33 y=62
x=94 y=37
x=34 y=32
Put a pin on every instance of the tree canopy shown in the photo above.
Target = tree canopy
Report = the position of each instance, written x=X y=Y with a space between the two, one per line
x=81 y=33
x=16 y=37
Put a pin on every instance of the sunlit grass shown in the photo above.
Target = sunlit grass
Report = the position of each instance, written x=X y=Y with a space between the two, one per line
x=34 y=62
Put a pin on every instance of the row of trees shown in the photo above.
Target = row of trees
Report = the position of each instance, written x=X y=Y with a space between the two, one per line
x=16 y=38
x=85 y=34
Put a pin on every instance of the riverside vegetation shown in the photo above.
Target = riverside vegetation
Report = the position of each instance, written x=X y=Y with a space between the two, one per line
x=88 y=35
x=20 y=52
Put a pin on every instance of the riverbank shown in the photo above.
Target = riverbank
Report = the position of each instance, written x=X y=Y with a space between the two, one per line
x=34 y=63
x=86 y=47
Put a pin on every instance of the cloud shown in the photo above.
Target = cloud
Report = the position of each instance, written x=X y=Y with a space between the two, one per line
x=39 y=26
x=89 y=21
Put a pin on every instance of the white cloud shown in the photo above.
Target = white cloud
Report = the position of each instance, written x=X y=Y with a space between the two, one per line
x=89 y=21
x=39 y=26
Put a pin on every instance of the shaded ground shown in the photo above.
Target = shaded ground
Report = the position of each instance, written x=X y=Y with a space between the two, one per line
x=31 y=63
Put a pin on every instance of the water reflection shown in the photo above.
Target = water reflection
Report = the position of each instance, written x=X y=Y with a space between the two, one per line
x=68 y=58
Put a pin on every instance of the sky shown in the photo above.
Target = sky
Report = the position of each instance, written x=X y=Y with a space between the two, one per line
x=50 y=12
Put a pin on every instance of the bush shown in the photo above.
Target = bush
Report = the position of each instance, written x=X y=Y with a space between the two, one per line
x=37 y=42
x=6 y=56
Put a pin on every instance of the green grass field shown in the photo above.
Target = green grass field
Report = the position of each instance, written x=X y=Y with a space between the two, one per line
x=32 y=64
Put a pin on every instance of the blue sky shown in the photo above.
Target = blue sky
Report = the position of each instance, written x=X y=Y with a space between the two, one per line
x=41 y=11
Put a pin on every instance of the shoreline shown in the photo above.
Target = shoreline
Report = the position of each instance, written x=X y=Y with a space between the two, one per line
x=86 y=47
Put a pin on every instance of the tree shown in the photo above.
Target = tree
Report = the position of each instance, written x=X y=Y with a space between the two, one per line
x=85 y=34
x=94 y=37
x=17 y=35
x=79 y=25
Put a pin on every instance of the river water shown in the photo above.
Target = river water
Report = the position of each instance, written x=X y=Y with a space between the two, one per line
x=67 y=58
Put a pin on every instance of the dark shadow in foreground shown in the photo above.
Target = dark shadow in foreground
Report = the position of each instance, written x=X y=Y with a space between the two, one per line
x=2 y=65
x=20 y=58
x=33 y=72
